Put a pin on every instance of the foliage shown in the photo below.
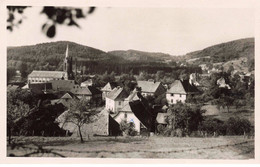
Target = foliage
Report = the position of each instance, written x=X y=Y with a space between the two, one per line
x=232 y=126
x=184 y=117
x=55 y=15
x=15 y=112
x=10 y=73
x=128 y=128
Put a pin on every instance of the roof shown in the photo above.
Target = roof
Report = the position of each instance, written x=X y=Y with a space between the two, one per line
x=66 y=96
x=63 y=85
x=189 y=88
x=109 y=86
x=117 y=93
x=39 y=87
x=177 y=87
x=132 y=96
x=48 y=74
x=182 y=87
x=126 y=108
x=148 y=86
x=12 y=87
x=161 y=118
x=89 y=91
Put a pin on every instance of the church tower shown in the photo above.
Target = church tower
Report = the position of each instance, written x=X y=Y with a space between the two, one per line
x=68 y=64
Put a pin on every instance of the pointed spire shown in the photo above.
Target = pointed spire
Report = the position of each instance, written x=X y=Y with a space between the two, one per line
x=67 y=52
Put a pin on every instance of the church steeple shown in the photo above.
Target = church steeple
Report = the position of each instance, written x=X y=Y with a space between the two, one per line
x=68 y=64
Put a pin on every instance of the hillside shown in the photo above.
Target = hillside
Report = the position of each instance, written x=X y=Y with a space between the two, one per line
x=135 y=55
x=239 y=53
x=50 y=56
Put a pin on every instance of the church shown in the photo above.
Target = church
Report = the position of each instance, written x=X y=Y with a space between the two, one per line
x=46 y=76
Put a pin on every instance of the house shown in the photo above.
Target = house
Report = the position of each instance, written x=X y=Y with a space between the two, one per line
x=40 y=88
x=179 y=91
x=90 y=93
x=103 y=125
x=126 y=112
x=107 y=89
x=65 y=99
x=151 y=88
x=115 y=99
x=63 y=85
x=88 y=82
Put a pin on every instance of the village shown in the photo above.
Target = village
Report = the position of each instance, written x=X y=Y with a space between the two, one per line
x=116 y=105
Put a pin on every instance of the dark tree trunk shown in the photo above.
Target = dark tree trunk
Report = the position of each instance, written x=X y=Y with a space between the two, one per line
x=81 y=138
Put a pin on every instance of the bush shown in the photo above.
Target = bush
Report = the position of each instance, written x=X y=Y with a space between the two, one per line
x=128 y=128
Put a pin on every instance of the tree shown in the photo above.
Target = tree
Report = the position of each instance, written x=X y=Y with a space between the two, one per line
x=184 y=117
x=15 y=112
x=128 y=128
x=80 y=113
x=10 y=73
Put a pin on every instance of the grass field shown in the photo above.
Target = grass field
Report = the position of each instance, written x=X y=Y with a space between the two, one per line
x=137 y=147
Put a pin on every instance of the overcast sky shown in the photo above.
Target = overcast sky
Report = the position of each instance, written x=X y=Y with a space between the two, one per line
x=167 y=30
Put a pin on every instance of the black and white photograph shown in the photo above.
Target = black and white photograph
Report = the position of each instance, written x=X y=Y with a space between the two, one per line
x=129 y=82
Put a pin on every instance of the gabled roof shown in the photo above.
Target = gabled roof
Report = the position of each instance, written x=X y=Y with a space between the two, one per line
x=66 y=96
x=148 y=86
x=48 y=74
x=117 y=93
x=109 y=86
x=94 y=90
x=177 y=87
x=182 y=87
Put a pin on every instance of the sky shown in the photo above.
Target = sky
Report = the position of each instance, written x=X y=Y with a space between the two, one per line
x=175 y=31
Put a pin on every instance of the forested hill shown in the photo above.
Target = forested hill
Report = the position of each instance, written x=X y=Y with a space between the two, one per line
x=135 y=55
x=50 y=56
x=225 y=51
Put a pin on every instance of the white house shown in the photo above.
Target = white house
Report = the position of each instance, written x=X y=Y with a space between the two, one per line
x=126 y=114
x=115 y=99
x=179 y=91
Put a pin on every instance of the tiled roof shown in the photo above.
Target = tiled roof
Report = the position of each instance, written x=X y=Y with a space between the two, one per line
x=182 y=87
x=177 y=87
x=148 y=86
x=48 y=74
x=117 y=94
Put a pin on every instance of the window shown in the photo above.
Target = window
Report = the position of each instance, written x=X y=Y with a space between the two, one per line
x=119 y=103
x=125 y=115
x=171 y=100
x=180 y=95
x=172 y=94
